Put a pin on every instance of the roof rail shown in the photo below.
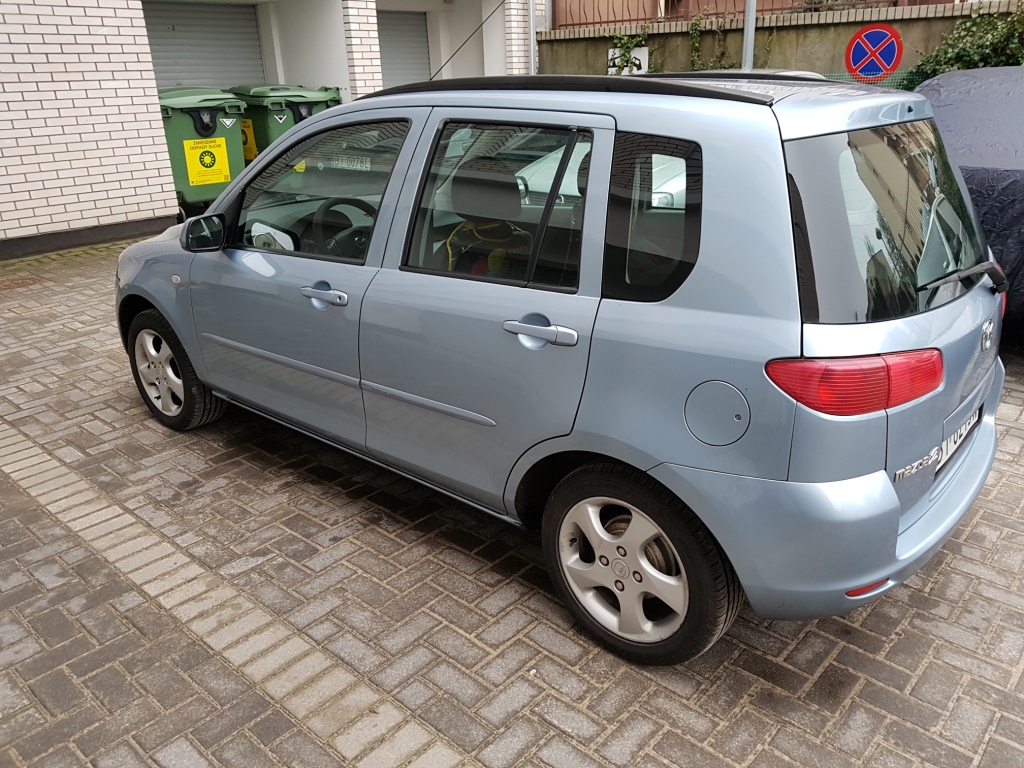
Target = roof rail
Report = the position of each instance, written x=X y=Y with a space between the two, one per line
x=739 y=74
x=589 y=83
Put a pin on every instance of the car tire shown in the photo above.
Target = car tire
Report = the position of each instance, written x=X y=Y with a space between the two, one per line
x=165 y=376
x=637 y=568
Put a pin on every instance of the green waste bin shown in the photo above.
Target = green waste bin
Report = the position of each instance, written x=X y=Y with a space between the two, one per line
x=203 y=127
x=270 y=110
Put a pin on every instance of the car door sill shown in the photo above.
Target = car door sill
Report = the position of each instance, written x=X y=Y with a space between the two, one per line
x=366 y=457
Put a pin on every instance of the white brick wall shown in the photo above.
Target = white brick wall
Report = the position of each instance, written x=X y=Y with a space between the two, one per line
x=517 y=34
x=517 y=37
x=81 y=137
x=360 y=17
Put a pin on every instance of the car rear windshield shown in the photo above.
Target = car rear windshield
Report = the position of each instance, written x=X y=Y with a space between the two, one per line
x=878 y=215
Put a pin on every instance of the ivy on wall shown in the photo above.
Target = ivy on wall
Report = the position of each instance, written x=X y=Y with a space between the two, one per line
x=983 y=40
x=717 y=59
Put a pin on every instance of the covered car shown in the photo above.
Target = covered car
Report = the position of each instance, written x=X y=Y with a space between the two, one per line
x=979 y=113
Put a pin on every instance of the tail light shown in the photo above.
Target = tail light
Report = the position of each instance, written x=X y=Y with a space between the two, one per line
x=851 y=386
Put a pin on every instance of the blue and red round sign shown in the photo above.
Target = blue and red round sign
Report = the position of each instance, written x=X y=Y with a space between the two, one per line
x=874 y=53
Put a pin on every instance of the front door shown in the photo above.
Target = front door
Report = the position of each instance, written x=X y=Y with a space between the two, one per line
x=475 y=336
x=277 y=311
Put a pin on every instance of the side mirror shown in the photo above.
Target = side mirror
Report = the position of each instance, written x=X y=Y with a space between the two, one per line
x=203 y=233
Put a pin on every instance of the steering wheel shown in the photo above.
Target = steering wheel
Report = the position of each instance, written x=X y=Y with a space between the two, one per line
x=350 y=243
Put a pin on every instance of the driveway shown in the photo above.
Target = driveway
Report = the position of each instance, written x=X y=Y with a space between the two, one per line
x=245 y=596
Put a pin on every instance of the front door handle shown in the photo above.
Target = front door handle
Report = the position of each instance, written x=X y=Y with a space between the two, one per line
x=553 y=334
x=334 y=298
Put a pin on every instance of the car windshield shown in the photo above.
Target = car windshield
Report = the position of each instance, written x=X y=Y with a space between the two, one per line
x=878 y=215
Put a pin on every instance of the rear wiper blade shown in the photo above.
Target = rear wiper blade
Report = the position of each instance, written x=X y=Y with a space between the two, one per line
x=990 y=268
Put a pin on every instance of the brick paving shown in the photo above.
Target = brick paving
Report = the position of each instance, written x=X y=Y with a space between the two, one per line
x=244 y=596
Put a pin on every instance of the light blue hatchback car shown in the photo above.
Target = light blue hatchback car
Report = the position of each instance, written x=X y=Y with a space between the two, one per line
x=712 y=336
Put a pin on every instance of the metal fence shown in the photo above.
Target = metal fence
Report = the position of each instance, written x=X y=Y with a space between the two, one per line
x=569 y=14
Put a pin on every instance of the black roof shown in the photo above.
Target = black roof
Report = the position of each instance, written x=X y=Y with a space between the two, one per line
x=664 y=85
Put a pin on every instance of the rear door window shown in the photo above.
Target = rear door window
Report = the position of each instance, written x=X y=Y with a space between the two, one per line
x=504 y=203
x=878 y=215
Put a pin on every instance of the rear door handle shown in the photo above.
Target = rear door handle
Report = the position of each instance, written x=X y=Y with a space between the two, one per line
x=553 y=334
x=334 y=298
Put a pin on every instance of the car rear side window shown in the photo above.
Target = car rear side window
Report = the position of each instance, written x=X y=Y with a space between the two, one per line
x=653 y=232
x=878 y=216
x=320 y=198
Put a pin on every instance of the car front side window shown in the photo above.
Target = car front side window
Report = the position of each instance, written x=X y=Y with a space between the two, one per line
x=320 y=198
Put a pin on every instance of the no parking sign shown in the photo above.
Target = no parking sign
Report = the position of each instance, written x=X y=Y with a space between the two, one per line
x=874 y=53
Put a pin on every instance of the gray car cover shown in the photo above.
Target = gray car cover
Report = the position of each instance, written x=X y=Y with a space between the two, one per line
x=980 y=114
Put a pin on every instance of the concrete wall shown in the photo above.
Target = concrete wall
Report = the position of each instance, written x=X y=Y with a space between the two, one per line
x=493 y=40
x=81 y=140
x=453 y=27
x=303 y=43
x=813 y=41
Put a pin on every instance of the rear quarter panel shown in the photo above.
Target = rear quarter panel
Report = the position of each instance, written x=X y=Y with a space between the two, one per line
x=738 y=308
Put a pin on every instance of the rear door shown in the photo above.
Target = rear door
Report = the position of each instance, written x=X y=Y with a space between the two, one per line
x=475 y=335
x=886 y=220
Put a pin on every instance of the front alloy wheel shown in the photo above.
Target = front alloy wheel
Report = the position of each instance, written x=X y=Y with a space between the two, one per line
x=165 y=377
x=158 y=372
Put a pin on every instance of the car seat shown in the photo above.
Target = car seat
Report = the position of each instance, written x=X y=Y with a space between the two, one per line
x=485 y=194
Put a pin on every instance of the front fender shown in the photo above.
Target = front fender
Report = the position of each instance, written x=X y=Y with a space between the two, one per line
x=157 y=271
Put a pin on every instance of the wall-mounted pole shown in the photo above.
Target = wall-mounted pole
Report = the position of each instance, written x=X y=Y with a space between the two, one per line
x=533 y=37
x=749 y=23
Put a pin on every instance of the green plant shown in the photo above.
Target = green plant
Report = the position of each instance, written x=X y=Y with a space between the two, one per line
x=695 y=30
x=625 y=44
x=983 y=40
x=766 y=51
x=717 y=60
x=654 y=63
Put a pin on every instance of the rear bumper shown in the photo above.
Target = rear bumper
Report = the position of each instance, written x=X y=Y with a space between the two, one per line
x=799 y=547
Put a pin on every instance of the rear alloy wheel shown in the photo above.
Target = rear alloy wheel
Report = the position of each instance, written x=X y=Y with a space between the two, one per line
x=636 y=566
x=165 y=376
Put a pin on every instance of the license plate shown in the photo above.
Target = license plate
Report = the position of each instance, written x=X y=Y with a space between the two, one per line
x=351 y=163
x=953 y=442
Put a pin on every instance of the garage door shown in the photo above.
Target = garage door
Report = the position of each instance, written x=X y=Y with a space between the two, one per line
x=211 y=45
x=404 y=55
